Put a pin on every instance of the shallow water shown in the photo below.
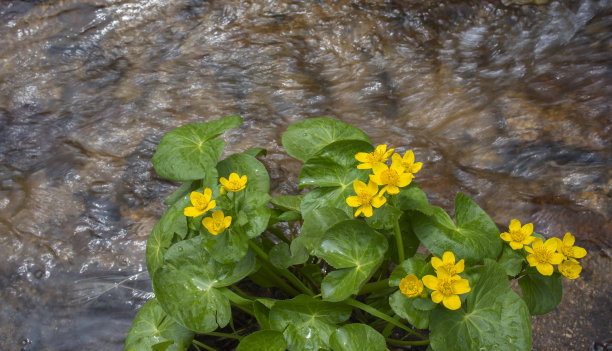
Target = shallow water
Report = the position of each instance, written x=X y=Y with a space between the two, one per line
x=509 y=104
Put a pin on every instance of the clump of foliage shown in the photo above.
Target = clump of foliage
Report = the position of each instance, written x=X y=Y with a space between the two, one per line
x=343 y=256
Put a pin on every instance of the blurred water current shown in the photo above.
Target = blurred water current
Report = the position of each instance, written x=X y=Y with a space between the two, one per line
x=509 y=104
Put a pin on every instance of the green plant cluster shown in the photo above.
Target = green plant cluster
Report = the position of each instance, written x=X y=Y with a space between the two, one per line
x=339 y=275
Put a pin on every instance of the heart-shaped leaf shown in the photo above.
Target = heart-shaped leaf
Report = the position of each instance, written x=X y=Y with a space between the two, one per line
x=494 y=318
x=328 y=197
x=189 y=285
x=287 y=202
x=355 y=250
x=541 y=293
x=173 y=221
x=189 y=152
x=511 y=260
x=357 y=337
x=474 y=238
x=282 y=256
x=152 y=326
x=243 y=164
x=229 y=246
x=414 y=309
x=304 y=138
x=316 y=223
x=263 y=340
x=413 y=198
x=307 y=323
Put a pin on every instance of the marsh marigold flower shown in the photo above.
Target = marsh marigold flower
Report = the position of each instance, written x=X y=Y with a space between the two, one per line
x=380 y=155
x=201 y=203
x=366 y=198
x=543 y=255
x=408 y=163
x=447 y=288
x=392 y=177
x=567 y=249
x=234 y=184
x=447 y=264
x=411 y=286
x=570 y=269
x=217 y=223
x=518 y=236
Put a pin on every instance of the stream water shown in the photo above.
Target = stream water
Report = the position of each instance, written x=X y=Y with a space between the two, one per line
x=507 y=103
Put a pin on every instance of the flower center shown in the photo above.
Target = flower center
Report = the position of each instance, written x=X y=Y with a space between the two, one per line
x=200 y=204
x=450 y=268
x=543 y=254
x=389 y=176
x=218 y=225
x=517 y=235
x=364 y=198
x=568 y=251
x=445 y=286
x=233 y=185
x=375 y=156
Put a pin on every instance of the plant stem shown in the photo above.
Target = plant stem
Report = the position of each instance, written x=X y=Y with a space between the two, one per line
x=224 y=335
x=284 y=272
x=279 y=234
x=240 y=302
x=374 y=287
x=407 y=343
x=268 y=269
x=376 y=313
x=203 y=345
x=399 y=241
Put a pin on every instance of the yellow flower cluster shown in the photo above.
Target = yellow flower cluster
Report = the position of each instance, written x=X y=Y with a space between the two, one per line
x=202 y=203
x=544 y=254
x=398 y=175
x=446 y=286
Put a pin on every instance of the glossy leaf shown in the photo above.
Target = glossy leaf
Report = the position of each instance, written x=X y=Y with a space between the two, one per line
x=172 y=221
x=307 y=323
x=474 y=238
x=229 y=246
x=255 y=151
x=335 y=165
x=384 y=217
x=305 y=138
x=243 y=164
x=152 y=326
x=328 y=197
x=185 y=189
x=263 y=340
x=414 y=309
x=316 y=223
x=287 y=202
x=282 y=256
x=405 y=308
x=188 y=285
x=511 y=260
x=357 y=337
x=262 y=314
x=190 y=151
x=355 y=250
x=254 y=213
x=494 y=318
x=413 y=198
x=541 y=293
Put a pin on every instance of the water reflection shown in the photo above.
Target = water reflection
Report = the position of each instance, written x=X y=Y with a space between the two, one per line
x=507 y=104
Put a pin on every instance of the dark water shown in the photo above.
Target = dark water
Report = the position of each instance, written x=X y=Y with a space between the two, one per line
x=509 y=104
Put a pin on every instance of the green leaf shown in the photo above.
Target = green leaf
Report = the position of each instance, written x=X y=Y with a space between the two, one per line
x=255 y=151
x=189 y=285
x=152 y=326
x=511 y=260
x=384 y=217
x=494 y=318
x=307 y=323
x=357 y=337
x=262 y=314
x=404 y=307
x=328 y=197
x=263 y=340
x=289 y=216
x=287 y=202
x=414 y=265
x=185 y=189
x=190 y=151
x=415 y=309
x=304 y=138
x=243 y=164
x=335 y=165
x=282 y=257
x=475 y=237
x=541 y=293
x=413 y=198
x=254 y=212
x=172 y=221
x=229 y=246
x=316 y=222
x=355 y=250
x=312 y=271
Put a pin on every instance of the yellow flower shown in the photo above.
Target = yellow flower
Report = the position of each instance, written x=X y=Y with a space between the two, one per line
x=411 y=286
x=408 y=163
x=392 y=177
x=518 y=235
x=447 y=264
x=567 y=249
x=201 y=203
x=218 y=223
x=544 y=255
x=366 y=198
x=447 y=289
x=570 y=269
x=380 y=155
x=235 y=183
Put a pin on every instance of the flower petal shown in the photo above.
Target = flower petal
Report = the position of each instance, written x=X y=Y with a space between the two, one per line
x=527 y=229
x=531 y=259
x=408 y=158
x=461 y=286
x=362 y=157
x=210 y=206
x=460 y=266
x=551 y=244
x=353 y=201
x=195 y=197
x=556 y=258
x=372 y=188
x=416 y=167
x=515 y=225
x=452 y=302
x=364 y=166
x=367 y=210
x=192 y=212
x=378 y=201
x=516 y=246
x=392 y=189
x=436 y=262
x=568 y=239
x=359 y=186
x=227 y=221
x=405 y=179
x=224 y=181
x=207 y=194
x=545 y=268
x=505 y=236
x=579 y=252
x=448 y=258
x=528 y=240
x=431 y=282
x=436 y=296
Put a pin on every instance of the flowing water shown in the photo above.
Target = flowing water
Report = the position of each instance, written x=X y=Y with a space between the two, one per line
x=507 y=103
